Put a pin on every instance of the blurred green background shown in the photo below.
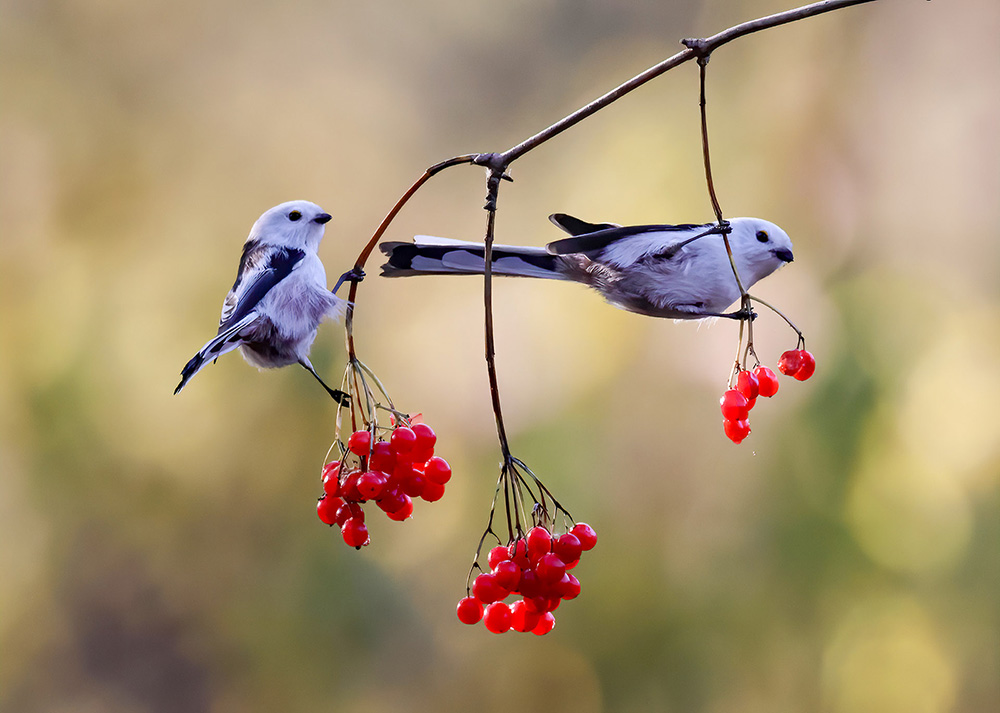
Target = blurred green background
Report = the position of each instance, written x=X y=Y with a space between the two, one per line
x=162 y=554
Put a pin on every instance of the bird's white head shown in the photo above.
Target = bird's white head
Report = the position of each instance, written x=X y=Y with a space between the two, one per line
x=295 y=224
x=759 y=248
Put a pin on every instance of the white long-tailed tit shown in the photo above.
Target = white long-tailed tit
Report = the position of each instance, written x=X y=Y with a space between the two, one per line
x=280 y=295
x=673 y=271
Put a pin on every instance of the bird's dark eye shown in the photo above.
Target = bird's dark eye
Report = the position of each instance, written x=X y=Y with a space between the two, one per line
x=295 y=215
x=762 y=236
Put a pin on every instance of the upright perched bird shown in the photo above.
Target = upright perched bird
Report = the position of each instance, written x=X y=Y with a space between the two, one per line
x=279 y=297
x=674 y=271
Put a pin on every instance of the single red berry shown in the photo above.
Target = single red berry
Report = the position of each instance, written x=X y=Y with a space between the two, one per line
x=585 y=534
x=470 y=610
x=568 y=587
x=539 y=542
x=432 y=491
x=486 y=589
x=748 y=385
x=542 y=604
x=403 y=512
x=734 y=405
x=518 y=551
x=355 y=532
x=507 y=575
x=790 y=362
x=438 y=470
x=349 y=487
x=736 y=430
x=521 y=619
x=360 y=443
x=403 y=439
x=766 y=381
x=497 y=555
x=568 y=547
x=550 y=568
x=349 y=511
x=426 y=438
x=750 y=404
x=547 y=623
x=370 y=484
x=807 y=367
x=327 y=508
x=497 y=617
x=331 y=482
x=392 y=499
x=383 y=457
x=413 y=484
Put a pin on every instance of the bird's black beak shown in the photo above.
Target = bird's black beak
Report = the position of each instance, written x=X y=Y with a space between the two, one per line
x=784 y=255
x=322 y=218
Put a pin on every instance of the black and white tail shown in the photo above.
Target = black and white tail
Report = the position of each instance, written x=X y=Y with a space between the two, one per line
x=220 y=344
x=441 y=256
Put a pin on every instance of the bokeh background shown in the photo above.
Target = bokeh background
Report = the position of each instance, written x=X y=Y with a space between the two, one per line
x=162 y=554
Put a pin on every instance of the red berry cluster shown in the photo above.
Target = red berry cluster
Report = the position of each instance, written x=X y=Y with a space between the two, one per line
x=797 y=363
x=736 y=403
x=391 y=472
x=534 y=567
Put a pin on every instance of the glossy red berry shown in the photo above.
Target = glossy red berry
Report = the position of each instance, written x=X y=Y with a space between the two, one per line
x=469 y=610
x=748 y=385
x=586 y=535
x=370 y=484
x=545 y=625
x=331 y=481
x=807 y=367
x=426 y=438
x=497 y=617
x=403 y=511
x=327 y=508
x=507 y=575
x=734 y=405
x=521 y=618
x=360 y=443
x=392 y=499
x=767 y=381
x=438 y=470
x=355 y=532
x=539 y=542
x=486 y=589
x=568 y=587
x=348 y=511
x=790 y=362
x=432 y=491
x=736 y=431
x=550 y=568
x=349 y=487
x=403 y=439
x=568 y=547
x=383 y=457
x=497 y=555
x=518 y=551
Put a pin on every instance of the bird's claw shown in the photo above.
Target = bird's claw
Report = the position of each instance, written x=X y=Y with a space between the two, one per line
x=355 y=274
x=341 y=397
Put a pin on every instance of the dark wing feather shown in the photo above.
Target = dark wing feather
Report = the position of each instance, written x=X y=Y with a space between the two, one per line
x=261 y=268
x=575 y=226
x=590 y=243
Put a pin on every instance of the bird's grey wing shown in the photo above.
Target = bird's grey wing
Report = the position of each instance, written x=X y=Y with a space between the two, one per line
x=261 y=268
x=593 y=243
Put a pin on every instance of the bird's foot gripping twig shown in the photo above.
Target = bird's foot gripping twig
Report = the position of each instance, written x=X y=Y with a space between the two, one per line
x=355 y=274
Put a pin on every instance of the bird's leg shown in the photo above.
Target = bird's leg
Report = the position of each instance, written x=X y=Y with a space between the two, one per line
x=355 y=274
x=336 y=394
x=740 y=314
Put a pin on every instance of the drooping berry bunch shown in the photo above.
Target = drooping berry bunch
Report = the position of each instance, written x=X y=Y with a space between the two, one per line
x=389 y=471
x=535 y=570
x=737 y=402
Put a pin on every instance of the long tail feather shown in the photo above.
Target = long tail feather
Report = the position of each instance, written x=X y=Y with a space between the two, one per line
x=220 y=344
x=440 y=256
